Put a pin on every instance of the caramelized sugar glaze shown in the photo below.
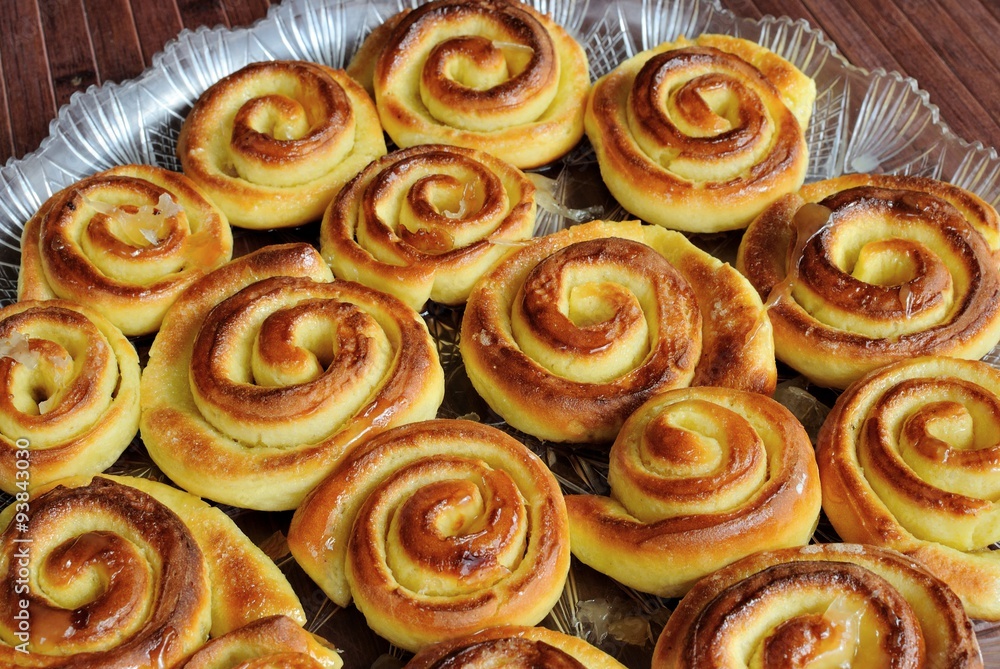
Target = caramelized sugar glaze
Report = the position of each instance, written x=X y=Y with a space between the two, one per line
x=568 y=335
x=701 y=135
x=863 y=270
x=70 y=397
x=273 y=142
x=427 y=222
x=436 y=530
x=266 y=373
x=908 y=459
x=699 y=477
x=832 y=604
x=125 y=242
x=492 y=75
x=514 y=647
x=127 y=572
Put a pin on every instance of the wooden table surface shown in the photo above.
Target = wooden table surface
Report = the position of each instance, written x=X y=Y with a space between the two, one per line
x=50 y=49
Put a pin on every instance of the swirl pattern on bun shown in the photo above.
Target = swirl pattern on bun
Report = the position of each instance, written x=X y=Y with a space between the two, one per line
x=569 y=334
x=863 y=270
x=277 y=642
x=493 y=75
x=909 y=457
x=699 y=477
x=266 y=373
x=835 y=604
x=514 y=647
x=427 y=222
x=436 y=530
x=124 y=572
x=70 y=392
x=701 y=135
x=274 y=142
x=125 y=242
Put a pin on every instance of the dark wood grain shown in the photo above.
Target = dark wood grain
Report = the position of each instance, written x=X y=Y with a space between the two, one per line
x=26 y=75
x=46 y=54
x=71 y=54
x=245 y=12
x=116 y=42
x=197 y=13
x=156 y=23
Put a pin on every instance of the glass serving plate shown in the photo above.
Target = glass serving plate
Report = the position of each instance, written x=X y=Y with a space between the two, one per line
x=863 y=122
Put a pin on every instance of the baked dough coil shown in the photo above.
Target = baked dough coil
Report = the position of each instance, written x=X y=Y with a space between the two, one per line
x=266 y=374
x=493 y=75
x=276 y=642
x=701 y=135
x=699 y=477
x=834 y=605
x=274 y=142
x=126 y=242
x=437 y=530
x=427 y=222
x=69 y=393
x=863 y=270
x=126 y=572
x=514 y=647
x=909 y=458
x=568 y=335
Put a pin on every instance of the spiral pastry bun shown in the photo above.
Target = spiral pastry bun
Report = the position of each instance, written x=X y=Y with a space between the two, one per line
x=427 y=222
x=493 y=75
x=274 y=142
x=70 y=393
x=831 y=605
x=568 y=335
x=514 y=647
x=701 y=135
x=266 y=373
x=699 y=477
x=277 y=642
x=125 y=242
x=909 y=458
x=125 y=572
x=437 y=530
x=864 y=270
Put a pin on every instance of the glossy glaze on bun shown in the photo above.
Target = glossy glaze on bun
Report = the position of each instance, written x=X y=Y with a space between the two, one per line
x=266 y=373
x=274 y=142
x=909 y=458
x=863 y=270
x=842 y=604
x=701 y=135
x=436 y=530
x=568 y=335
x=493 y=75
x=125 y=242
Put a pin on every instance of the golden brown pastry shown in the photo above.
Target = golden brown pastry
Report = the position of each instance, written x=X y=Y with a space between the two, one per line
x=436 y=530
x=701 y=135
x=125 y=242
x=863 y=270
x=123 y=572
x=273 y=142
x=277 y=642
x=514 y=647
x=571 y=333
x=909 y=457
x=265 y=373
x=832 y=605
x=69 y=393
x=699 y=477
x=493 y=75
x=427 y=222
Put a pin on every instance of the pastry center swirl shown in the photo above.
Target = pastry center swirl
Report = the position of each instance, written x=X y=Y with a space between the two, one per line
x=594 y=311
x=275 y=353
